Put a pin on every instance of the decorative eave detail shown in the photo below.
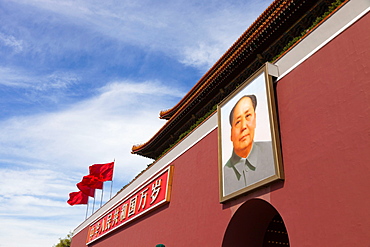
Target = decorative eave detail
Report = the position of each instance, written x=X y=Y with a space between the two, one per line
x=165 y=114
x=257 y=44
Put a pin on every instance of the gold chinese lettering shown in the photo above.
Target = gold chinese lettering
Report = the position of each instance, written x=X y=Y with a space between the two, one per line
x=108 y=225
x=132 y=207
x=92 y=232
x=115 y=217
x=156 y=187
x=123 y=212
x=142 y=201
x=97 y=228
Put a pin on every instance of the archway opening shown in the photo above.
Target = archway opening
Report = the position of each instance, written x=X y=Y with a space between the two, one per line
x=256 y=223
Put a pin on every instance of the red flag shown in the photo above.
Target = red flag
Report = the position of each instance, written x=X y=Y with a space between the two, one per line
x=77 y=198
x=92 y=181
x=86 y=189
x=103 y=172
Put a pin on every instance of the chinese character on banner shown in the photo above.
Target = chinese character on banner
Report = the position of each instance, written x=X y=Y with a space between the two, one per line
x=142 y=202
x=156 y=187
x=97 y=228
x=123 y=212
x=108 y=223
x=115 y=217
x=132 y=207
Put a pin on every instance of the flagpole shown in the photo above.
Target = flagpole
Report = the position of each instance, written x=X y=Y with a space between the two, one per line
x=111 y=184
x=101 y=200
x=87 y=208
x=94 y=203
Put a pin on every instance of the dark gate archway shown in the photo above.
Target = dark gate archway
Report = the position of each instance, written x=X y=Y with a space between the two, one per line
x=256 y=224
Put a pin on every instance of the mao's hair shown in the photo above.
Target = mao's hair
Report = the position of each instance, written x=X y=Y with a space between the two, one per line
x=254 y=104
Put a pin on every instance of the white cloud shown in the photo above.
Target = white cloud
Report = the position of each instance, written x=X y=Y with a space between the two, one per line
x=12 y=77
x=201 y=55
x=26 y=182
x=29 y=232
x=12 y=42
x=34 y=207
x=9 y=77
x=53 y=87
x=99 y=129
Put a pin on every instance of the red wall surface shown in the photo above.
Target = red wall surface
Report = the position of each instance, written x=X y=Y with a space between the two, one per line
x=324 y=112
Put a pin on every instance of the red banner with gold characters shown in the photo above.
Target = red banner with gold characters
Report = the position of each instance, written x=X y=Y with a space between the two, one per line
x=153 y=193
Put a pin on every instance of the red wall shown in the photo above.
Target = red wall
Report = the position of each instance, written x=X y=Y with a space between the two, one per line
x=324 y=111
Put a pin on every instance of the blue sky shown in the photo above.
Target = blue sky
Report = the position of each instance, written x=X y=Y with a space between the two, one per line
x=81 y=81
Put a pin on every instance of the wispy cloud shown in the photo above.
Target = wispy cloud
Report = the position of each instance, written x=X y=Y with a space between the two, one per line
x=19 y=78
x=31 y=87
x=12 y=42
x=10 y=78
x=94 y=128
x=192 y=32
x=38 y=232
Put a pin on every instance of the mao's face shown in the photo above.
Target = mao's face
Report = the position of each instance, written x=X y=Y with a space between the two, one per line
x=243 y=126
